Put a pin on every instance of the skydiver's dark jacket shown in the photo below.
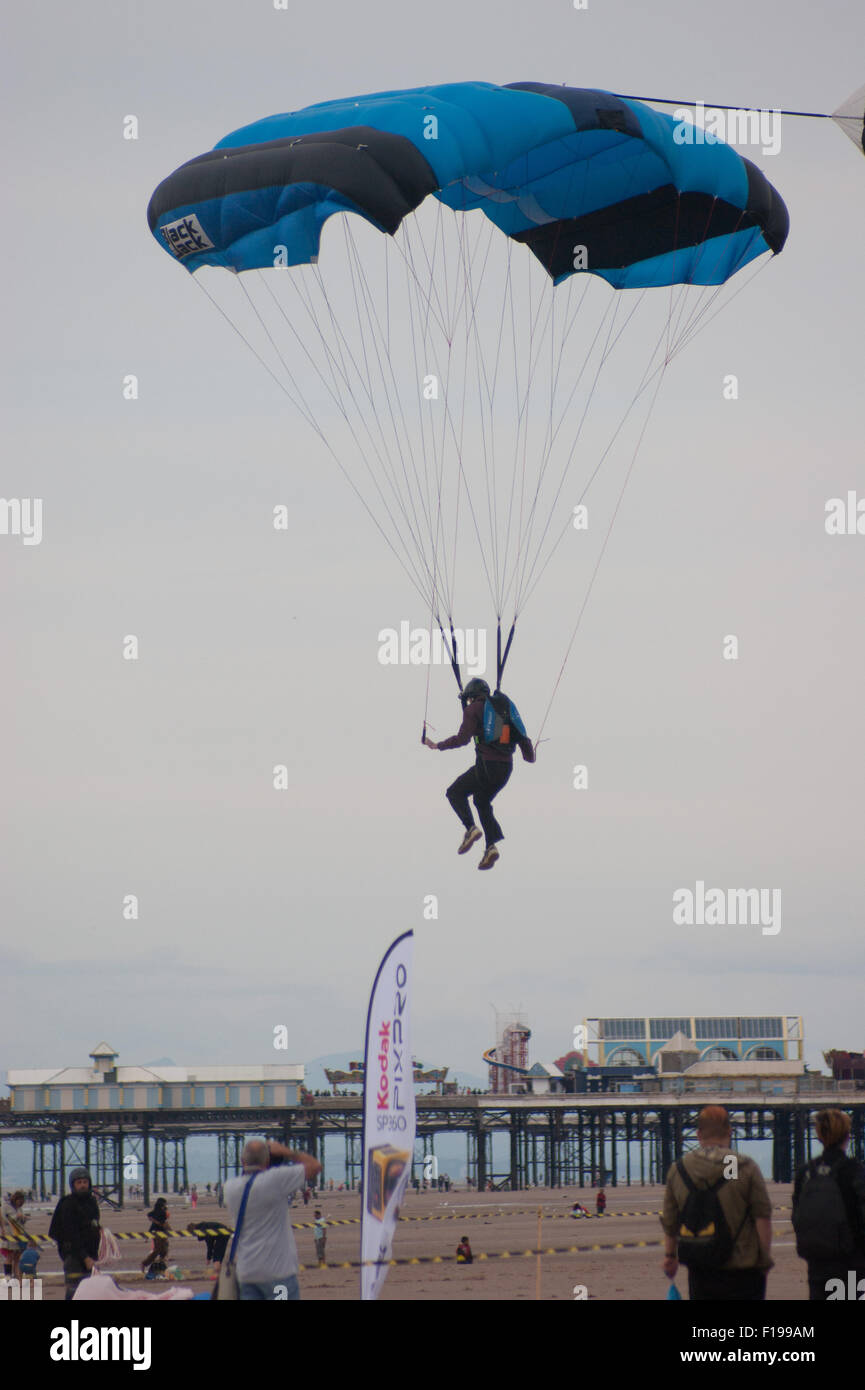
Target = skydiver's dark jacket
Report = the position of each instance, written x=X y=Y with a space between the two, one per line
x=75 y=1226
x=473 y=727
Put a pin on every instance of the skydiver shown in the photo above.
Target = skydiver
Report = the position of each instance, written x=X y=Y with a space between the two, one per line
x=493 y=767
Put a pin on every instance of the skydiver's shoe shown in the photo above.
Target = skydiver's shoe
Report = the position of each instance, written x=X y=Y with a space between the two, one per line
x=471 y=837
x=490 y=856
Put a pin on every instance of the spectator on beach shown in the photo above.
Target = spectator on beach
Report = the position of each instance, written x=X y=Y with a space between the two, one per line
x=829 y=1214
x=464 y=1252
x=193 y=1196
x=10 y=1248
x=578 y=1210
x=214 y=1244
x=717 y=1217
x=75 y=1228
x=600 y=1202
x=159 y=1223
x=13 y=1237
x=266 y=1255
x=30 y=1257
x=320 y=1234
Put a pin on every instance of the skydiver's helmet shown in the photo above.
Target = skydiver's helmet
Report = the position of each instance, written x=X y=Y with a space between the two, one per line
x=473 y=691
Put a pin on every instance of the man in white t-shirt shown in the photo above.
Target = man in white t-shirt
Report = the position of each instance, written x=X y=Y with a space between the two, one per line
x=266 y=1255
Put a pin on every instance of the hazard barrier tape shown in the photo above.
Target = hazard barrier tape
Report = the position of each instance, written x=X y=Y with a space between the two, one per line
x=491 y=1255
x=479 y=1258
x=220 y=1230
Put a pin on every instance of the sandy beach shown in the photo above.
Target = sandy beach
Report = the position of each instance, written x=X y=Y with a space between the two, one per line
x=616 y=1257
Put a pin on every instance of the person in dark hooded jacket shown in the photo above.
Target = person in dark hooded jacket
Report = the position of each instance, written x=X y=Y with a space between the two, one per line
x=75 y=1228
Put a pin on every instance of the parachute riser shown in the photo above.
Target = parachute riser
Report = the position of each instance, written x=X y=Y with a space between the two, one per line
x=501 y=660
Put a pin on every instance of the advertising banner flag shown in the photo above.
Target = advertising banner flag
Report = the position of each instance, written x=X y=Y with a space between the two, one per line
x=388 y=1112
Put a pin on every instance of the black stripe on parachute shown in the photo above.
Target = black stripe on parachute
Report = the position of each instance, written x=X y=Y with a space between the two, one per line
x=383 y=174
x=653 y=224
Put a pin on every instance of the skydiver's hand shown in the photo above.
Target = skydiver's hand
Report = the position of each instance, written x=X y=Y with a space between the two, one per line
x=532 y=754
x=429 y=743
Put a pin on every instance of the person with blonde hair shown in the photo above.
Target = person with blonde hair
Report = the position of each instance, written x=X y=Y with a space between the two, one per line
x=717 y=1217
x=829 y=1214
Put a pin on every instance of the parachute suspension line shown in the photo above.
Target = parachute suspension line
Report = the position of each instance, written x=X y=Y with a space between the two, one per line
x=689 y=332
x=619 y=500
x=344 y=348
x=426 y=313
x=300 y=405
x=465 y=308
x=417 y=315
x=422 y=422
x=547 y=330
x=535 y=574
x=297 y=400
x=439 y=471
x=488 y=389
x=486 y=396
x=613 y=305
x=437 y=560
x=675 y=339
x=360 y=292
x=600 y=557
x=571 y=314
x=694 y=324
x=424 y=297
x=334 y=391
x=681 y=337
x=579 y=174
x=447 y=415
x=492 y=492
x=529 y=563
x=359 y=282
x=336 y=396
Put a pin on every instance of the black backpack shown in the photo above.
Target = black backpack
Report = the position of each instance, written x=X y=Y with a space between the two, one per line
x=704 y=1238
x=822 y=1218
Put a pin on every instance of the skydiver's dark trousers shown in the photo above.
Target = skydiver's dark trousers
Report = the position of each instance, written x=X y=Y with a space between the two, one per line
x=482 y=782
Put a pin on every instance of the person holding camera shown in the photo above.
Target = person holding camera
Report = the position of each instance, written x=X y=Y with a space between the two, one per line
x=266 y=1255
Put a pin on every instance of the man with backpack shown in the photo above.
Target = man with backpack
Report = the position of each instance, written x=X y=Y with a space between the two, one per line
x=494 y=723
x=829 y=1214
x=717 y=1217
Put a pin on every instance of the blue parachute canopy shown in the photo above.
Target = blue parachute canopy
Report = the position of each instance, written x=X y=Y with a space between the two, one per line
x=589 y=181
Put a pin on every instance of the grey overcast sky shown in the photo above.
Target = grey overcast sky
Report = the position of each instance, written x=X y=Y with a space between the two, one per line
x=154 y=777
